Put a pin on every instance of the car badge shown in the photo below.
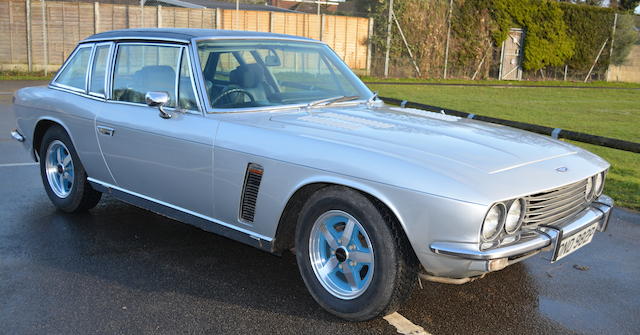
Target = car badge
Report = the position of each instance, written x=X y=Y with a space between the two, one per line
x=562 y=169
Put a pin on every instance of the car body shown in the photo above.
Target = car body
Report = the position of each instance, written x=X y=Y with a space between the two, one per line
x=246 y=170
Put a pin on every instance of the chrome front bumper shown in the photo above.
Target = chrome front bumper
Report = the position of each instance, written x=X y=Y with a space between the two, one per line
x=535 y=241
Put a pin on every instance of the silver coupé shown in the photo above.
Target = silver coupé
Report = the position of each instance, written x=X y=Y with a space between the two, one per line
x=272 y=141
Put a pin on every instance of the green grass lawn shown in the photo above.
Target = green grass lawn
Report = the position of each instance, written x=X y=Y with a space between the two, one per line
x=605 y=112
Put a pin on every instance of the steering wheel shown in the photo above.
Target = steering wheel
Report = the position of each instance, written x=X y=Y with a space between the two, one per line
x=233 y=90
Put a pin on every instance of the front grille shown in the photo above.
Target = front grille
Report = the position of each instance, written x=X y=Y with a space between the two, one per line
x=555 y=206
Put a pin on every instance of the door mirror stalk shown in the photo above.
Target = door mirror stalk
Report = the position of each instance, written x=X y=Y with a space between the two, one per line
x=158 y=99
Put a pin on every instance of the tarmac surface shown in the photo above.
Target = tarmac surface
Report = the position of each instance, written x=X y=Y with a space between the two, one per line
x=120 y=269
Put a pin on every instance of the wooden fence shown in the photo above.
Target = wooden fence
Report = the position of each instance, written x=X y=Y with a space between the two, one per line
x=38 y=35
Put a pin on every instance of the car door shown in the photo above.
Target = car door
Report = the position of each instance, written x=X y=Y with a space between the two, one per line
x=169 y=161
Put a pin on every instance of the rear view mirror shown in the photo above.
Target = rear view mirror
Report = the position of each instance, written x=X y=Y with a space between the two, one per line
x=272 y=59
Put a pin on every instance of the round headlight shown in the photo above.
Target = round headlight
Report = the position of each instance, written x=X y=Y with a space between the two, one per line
x=598 y=184
x=589 y=189
x=514 y=216
x=492 y=222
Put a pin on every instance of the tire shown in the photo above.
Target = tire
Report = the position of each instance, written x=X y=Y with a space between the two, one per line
x=63 y=175
x=378 y=255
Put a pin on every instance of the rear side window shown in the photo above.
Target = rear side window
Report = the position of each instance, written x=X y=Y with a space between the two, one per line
x=100 y=59
x=74 y=74
x=144 y=68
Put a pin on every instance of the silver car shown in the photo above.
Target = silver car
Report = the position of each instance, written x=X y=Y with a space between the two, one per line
x=272 y=141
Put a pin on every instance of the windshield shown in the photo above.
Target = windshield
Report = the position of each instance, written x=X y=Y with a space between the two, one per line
x=257 y=73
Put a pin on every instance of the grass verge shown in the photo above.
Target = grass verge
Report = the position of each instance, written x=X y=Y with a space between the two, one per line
x=503 y=82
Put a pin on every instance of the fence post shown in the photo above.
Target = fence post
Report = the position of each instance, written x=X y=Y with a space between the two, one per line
x=28 y=9
x=613 y=35
x=45 y=33
x=386 y=54
x=446 y=48
x=96 y=17
x=369 y=46
x=322 y=21
x=218 y=18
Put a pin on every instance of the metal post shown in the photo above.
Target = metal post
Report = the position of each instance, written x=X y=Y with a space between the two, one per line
x=565 y=72
x=369 y=46
x=28 y=9
x=237 y=4
x=613 y=35
x=386 y=55
x=446 y=48
x=318 y=2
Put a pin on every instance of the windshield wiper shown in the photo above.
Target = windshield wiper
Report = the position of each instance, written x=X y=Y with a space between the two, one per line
x=329 y=101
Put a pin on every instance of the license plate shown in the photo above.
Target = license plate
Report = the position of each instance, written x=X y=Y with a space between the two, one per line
x=574 y=242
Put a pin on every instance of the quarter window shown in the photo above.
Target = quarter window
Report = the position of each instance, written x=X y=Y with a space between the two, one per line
x=144 y=68
x=186 y=94
x=74 y=74
x=96 y=85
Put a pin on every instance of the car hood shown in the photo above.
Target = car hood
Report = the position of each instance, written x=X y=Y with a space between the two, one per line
x=427 y=137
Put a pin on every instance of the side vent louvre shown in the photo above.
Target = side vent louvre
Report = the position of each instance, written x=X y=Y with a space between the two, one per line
x=250 y=192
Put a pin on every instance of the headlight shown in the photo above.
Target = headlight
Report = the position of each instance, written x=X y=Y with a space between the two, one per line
x=514 y=216
x=589 y=189
x=493 y=222
x=598 y=184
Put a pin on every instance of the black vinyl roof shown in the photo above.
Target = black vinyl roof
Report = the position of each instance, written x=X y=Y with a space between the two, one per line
x=182 y=34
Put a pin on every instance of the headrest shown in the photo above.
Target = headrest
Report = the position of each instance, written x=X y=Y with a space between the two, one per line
x=157 y=78
x=247 y=75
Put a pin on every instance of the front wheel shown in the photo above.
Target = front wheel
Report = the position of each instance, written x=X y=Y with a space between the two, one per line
x=63 y=176
x=352 y=257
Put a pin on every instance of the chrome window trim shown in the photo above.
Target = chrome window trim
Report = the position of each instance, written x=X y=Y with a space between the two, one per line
x=202 y=216
x=66 y=63
x=107 y=70
x=176 y=81
x=137 y=39
x=204 y=38
x=82 y=94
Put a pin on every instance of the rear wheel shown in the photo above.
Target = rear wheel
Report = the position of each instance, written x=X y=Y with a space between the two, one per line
x=354 y=261
x=63 y=175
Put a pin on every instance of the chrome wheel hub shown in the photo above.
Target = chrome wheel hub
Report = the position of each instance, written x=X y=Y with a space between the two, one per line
x=59 y=169
x=341 y=254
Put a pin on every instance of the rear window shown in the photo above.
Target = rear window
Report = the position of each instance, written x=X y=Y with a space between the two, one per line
x=74 y=73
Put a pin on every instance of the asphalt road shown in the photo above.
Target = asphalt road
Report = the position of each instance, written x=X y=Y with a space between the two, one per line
x=120 y=269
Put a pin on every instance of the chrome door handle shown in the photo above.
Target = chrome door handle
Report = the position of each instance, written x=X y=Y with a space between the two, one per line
x=105 y=130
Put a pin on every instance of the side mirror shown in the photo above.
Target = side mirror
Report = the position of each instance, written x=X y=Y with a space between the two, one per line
x=158 y=99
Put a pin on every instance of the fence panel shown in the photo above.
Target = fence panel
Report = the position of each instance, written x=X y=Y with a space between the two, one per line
x=57 y=26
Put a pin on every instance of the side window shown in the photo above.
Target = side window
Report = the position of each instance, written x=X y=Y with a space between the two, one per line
x=186 y=94
x=74 y=74
x=143 y=68
x=99 y=69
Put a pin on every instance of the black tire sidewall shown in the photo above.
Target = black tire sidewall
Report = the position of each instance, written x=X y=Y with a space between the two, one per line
x=380 y=291
x=74 y=200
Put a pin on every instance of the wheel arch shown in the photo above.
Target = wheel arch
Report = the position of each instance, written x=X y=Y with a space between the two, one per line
x=41 y=127
x=285 y=232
